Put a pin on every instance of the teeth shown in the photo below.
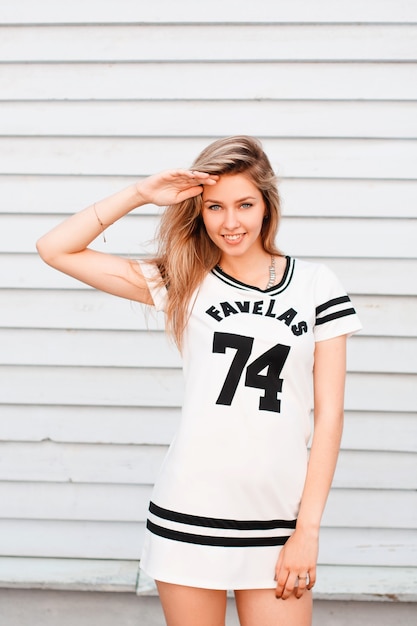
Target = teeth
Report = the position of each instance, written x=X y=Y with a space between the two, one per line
x=232 y=237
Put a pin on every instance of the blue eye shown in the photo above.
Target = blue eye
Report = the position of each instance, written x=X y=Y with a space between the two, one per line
x=246 y=205
x=214 y=207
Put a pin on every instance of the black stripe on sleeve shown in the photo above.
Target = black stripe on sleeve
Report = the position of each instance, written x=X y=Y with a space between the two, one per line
x=335 y=316
x=333 y=302
x=206 y=540
x=215 y=522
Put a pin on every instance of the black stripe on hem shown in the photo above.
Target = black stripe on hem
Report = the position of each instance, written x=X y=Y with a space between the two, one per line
x=205 y=540
x=334 y=316
x=333 y=302
x=215 y=522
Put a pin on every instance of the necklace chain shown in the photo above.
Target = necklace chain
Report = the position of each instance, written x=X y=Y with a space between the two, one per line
x=272 y=274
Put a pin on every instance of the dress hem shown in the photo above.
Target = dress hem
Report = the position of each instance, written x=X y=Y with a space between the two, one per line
x=210 y=584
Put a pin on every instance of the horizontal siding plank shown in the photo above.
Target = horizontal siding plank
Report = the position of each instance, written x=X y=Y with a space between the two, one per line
x=309 y=197
x=117 y=540
x=399 y=311
x=315 y=158
x=89 y=309
x=51 y=462
x=69 y=574
x=88 y=348
x=106 y=425
x=366 y=508
x=359 y=276
x=66 y=539
x=375 y=276
x=348 y=198
x=127 y=425
x=388 y=354
x=63 y=194
x=163 y=387
x=363 y=583
x=361 y=470
x=75 y=502
x=129 y=503
x=381 y=392
x=140 y=230
x=85 y=386
x=28 y=271
x=208 y=42
x=152 y=349
x=396 y=120
x=380 y=431
x=368 y=546
x=307 y=236
x=86 y=308
x=127 y=464
x=161 y=11
x=234 y=81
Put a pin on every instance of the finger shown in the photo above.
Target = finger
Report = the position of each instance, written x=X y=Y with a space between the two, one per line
x=281 y=579
x=184 y=177
x=204 y=178
x=289 y=586
x=301 y=586
x=199 y=174
x=190 y=192
x=312 y=578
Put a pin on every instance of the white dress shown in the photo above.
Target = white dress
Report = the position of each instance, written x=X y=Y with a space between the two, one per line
x=228 y=493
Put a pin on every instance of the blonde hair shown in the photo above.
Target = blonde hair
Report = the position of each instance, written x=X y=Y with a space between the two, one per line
x=185 y=252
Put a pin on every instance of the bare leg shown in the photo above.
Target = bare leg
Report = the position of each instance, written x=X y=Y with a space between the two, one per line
x=260 y=607
x=191 y=606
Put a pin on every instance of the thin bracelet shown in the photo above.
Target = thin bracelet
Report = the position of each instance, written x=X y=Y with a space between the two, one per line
x=103 y=226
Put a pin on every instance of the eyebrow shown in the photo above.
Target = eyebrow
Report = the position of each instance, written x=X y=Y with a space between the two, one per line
x=240 y=200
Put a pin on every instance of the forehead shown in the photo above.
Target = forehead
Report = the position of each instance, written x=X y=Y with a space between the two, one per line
x=237 y=185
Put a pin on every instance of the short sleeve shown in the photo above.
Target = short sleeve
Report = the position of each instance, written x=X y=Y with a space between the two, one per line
x=157 y=290
x=335 y=313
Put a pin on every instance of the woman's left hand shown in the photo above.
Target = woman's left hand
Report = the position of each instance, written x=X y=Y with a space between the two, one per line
x=296 y=567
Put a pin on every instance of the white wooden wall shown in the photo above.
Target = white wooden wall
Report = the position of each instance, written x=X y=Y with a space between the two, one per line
x=96 y=93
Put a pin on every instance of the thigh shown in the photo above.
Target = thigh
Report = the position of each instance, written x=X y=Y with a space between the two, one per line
x=191 y=606
x=260 y=607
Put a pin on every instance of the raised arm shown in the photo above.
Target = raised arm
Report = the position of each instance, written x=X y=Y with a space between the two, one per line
x=66 y=249
x=299 y=555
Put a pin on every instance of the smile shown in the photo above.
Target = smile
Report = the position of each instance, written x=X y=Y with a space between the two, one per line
x=233 y=237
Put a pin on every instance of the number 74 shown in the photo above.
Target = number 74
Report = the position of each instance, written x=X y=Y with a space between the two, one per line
x=272 y=360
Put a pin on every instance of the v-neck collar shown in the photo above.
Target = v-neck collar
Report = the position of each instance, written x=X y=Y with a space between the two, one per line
x=272 y=291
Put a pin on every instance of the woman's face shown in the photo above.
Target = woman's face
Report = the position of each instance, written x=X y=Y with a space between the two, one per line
x=233 y=213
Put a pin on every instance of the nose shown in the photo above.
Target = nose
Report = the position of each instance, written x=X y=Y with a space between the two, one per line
x=231 y=219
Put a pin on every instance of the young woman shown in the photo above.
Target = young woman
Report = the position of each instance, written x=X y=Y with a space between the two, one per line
x=237 y=504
